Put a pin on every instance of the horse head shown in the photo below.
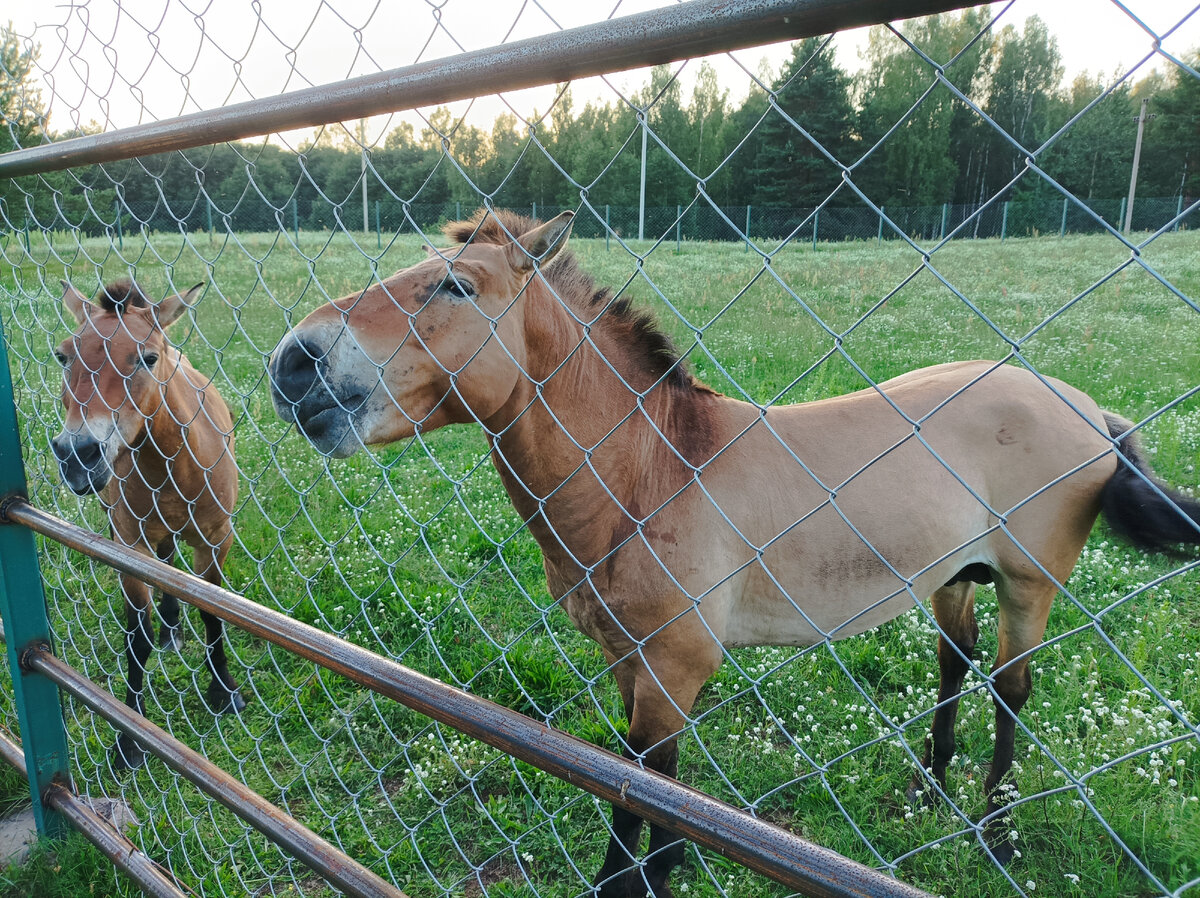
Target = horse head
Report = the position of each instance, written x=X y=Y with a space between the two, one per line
x=439 y=343
x=116 y=366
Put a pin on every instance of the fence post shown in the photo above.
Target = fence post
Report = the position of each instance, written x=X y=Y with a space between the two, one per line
x=816 y=222
x=120 y=238
x=534 y=215
x=945 y=214
x=747 y=227
x=1121 y=214
x=378 y=229
x=25 y=234
x=1062 y=229
x=23 y=608
x=607 y=229
x=678 y=230
x=1004 y=222
x=879 y=236
x=296 y=219
x=208 y=216
x=1178 y=212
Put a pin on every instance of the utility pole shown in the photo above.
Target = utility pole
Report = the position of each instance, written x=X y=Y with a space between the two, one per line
x=1137 y=156
x=642 y=194
x=362 y=142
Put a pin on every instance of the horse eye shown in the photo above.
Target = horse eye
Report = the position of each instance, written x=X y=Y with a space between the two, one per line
x=458 y=288
x=61 y=358
x=150 y=359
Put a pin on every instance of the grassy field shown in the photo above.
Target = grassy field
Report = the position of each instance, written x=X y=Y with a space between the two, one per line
x=415 y=552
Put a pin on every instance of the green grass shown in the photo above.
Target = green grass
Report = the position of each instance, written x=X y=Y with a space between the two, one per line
x=415 y=552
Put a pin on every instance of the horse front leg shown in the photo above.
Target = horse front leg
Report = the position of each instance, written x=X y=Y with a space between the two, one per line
x=222 y=694
x=665 y=683
x=170 y=637
x=139 y=636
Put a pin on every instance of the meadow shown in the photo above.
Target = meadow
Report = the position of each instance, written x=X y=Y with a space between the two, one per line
x=415 y=552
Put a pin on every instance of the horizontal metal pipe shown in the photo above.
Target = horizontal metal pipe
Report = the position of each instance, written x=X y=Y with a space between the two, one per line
x=126 y=856
x=754 y=843
x=683 y=31
x=292 y=836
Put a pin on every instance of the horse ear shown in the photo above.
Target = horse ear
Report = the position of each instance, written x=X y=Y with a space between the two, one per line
x=541 y=244
x=170 y=309
x=75 y=302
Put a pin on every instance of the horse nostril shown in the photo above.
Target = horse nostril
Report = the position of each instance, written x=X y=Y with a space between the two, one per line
x=294 y=369
x=88 y=453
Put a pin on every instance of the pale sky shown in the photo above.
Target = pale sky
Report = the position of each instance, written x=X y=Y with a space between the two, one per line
x=118 y=62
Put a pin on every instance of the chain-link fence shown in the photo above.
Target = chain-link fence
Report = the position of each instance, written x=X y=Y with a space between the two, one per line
x=790 y=255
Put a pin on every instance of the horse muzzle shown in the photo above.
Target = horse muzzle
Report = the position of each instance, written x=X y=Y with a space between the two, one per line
x=305 y=392
x=82 y=462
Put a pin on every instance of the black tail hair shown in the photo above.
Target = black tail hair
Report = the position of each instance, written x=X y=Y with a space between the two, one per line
x=1142 y=513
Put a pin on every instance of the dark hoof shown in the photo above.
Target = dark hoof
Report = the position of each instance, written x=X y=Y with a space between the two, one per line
x=223 y=700
x=170 y=639
x=127 y=754
x=1002 y=851
x=921 y=793
x=627 y=885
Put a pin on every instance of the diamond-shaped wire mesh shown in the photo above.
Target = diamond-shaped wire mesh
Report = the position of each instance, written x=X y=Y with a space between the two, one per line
x=798 y=243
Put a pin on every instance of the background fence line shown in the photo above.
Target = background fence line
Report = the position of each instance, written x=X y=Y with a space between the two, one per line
x=1031 y=217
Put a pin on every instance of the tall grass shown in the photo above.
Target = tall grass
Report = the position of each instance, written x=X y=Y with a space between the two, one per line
x=415 y=552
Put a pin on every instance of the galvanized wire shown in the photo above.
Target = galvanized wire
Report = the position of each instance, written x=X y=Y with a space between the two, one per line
x=401 y=551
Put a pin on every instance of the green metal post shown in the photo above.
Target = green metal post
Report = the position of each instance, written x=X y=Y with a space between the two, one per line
x=378 y=230
x=879 y=236
x=1004 y=222
x=296 y=219
x=1121 y=215
x=678 y=230
x=25 y=234
x=23 y=608
x=208 y=216
x=607 y=229
x=534 y=216
x=945 y=215
x=1178 y=212
x=747 y=229
x=1062 y=228
x=816 y=221
x=120 y=238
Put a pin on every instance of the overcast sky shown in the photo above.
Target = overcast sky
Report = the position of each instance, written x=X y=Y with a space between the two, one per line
x=118 y=63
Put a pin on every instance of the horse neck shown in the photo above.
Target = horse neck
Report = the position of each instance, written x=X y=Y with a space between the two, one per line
x=169 y=425
x=585 y=406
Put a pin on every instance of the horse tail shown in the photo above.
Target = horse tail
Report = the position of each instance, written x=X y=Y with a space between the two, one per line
x=1141 y=508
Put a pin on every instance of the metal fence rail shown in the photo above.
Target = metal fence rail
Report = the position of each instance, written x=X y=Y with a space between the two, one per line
x=366 y=589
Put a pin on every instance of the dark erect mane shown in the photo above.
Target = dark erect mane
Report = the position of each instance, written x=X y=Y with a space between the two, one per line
x=576 y=286
x=121 y=295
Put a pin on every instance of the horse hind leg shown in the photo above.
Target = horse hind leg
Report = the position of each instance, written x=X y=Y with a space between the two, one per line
x=1024 y=605
x=170 y=636
x=954 y=609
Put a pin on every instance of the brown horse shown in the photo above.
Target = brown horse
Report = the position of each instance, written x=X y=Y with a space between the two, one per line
x=676 y=522
x=154 y=438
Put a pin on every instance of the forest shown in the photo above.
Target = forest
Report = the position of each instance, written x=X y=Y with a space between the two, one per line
x=1003 y=123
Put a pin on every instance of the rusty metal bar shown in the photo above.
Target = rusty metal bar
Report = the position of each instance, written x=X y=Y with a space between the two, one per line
x=126 y=856
x=753 y=843
x=683 y=31
x=295 y=838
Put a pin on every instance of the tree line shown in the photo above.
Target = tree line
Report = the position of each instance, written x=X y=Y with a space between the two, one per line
x=906 y=137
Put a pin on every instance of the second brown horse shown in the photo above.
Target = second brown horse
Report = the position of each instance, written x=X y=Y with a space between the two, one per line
x=154 y=438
